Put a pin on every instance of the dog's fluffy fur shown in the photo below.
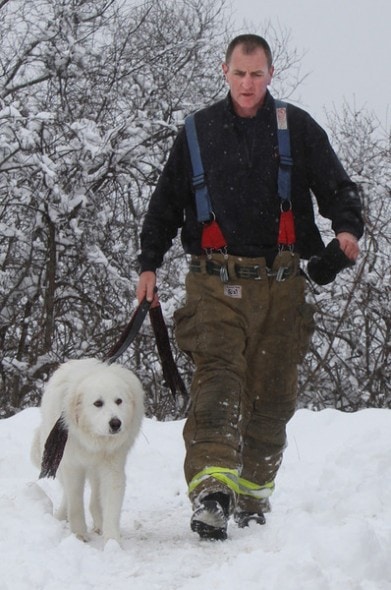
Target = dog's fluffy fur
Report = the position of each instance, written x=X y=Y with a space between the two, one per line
x=102 y=407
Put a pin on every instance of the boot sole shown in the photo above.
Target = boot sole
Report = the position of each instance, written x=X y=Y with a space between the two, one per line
x=210 y=522
x=207 y=531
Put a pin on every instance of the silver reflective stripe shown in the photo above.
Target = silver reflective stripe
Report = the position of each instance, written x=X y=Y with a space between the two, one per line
x=248 y=488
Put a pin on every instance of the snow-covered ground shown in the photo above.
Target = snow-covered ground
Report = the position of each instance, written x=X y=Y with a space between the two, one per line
x=330 y=528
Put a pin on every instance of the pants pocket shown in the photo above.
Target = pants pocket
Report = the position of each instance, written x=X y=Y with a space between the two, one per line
x=186 y=331
x=305 y=329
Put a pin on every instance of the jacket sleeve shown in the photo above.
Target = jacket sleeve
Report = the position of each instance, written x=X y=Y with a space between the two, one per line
x=337 y=196
x=165 y=214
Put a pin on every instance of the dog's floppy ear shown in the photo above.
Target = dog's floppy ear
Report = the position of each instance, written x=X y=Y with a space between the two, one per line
x=54 y=449
x=74 y=407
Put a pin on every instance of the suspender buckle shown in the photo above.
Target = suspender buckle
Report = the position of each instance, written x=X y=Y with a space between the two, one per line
x=286 y=160
x=281 y=275
x=199 y=181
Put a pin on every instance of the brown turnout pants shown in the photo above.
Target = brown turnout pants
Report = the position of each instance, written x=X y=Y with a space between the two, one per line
x=246 y=338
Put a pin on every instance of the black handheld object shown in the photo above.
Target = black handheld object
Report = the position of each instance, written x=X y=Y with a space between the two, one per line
x=324 y=268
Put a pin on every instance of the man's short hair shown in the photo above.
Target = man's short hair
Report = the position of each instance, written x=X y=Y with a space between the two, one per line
x=249 y=43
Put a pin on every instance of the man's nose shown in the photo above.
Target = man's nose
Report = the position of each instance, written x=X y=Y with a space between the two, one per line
x=247 y=81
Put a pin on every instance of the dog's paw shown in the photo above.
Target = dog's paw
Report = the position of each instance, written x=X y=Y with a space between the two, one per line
x=112 y=546
x=112 y=535
x=82 y=537
x=97 y=530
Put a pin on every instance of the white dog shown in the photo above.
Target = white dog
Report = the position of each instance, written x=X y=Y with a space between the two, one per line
x=102 y=407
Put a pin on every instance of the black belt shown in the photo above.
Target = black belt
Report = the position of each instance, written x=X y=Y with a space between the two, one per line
x=255 y=272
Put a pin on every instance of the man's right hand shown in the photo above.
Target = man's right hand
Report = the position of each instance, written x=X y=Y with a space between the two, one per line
x=146 y=286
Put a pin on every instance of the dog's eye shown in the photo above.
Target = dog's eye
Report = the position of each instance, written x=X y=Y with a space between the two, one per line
x=118 y=401
x=98 y=403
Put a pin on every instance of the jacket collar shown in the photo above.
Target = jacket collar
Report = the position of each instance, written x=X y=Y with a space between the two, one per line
x=266 y=109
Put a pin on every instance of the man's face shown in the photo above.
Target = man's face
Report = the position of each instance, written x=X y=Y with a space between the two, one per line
x=248 y=76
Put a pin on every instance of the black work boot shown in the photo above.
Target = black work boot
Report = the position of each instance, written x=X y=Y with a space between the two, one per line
x=244 y=518
x=210 y=518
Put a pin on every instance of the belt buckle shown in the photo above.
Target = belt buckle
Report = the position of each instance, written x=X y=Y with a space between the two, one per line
x=248 y=272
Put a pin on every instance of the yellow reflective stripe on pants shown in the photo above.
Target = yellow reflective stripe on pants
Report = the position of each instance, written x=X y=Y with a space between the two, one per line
x=248 y=488
x=228 y=477
x=231 y=479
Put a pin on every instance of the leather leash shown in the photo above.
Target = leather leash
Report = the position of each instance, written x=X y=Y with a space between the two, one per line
x=129 y=333
x=171 y=375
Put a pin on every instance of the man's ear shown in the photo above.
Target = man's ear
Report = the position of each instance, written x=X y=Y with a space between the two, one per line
x=225 y=69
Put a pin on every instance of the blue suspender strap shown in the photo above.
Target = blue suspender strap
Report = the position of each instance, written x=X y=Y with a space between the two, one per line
x=284 y=148
x=203 y=204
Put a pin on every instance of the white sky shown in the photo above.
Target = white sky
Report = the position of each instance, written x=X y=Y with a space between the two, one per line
x=347 y=45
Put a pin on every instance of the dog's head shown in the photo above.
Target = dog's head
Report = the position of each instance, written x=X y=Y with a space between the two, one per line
x=108 y=403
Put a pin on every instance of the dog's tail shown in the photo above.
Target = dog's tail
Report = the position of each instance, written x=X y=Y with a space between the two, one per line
x=54 y=449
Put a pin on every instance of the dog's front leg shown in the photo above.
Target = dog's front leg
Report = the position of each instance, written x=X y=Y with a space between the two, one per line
x=74 y=481
x=112 y=486
x=95 y=502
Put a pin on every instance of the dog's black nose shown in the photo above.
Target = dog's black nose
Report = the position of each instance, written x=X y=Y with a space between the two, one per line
x=115 y=424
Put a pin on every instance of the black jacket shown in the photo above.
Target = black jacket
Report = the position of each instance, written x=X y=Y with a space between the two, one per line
x=240 y=158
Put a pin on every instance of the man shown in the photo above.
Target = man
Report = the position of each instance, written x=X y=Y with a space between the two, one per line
x=245 y=323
